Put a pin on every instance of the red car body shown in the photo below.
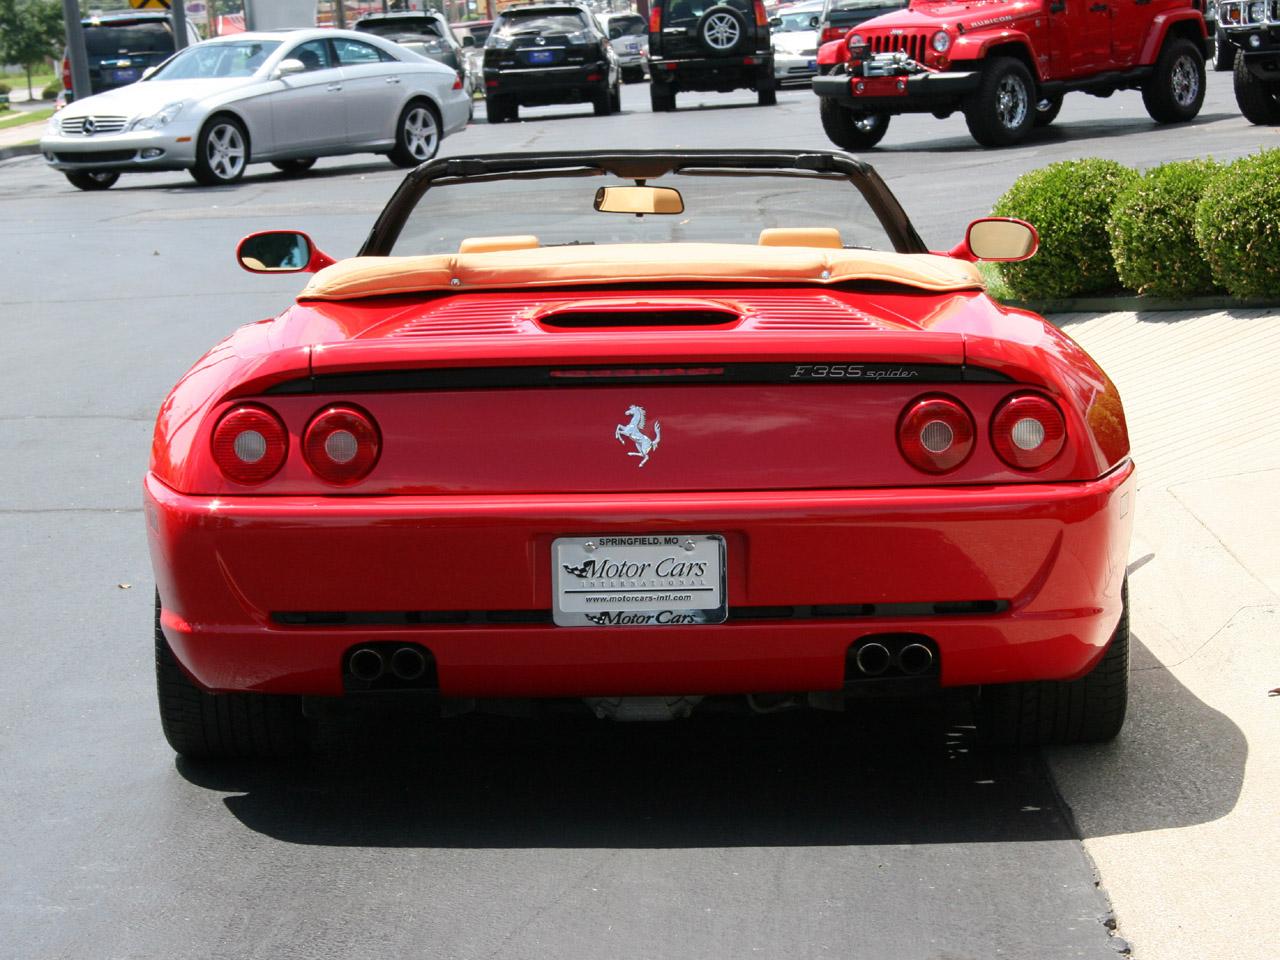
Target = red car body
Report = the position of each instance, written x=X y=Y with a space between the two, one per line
x=780 y=424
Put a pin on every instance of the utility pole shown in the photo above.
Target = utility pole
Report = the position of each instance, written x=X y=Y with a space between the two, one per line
x=75 y=49
x=178 y=11
x=339 y=15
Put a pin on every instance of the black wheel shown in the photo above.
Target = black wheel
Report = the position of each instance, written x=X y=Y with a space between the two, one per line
x=294 y=167
x=615 y=99
x=1175 y=91
x=1088 y=710
x=1259 y=100
x=92 y=179
x=225 y=726
x=1224 y=52
x=1002 y=110
x=1047 y=110
x=417 y=135
x=661 y=97
x=766 y=91
x=501 y=109
x=849 y=130
x=722 y=30
x=222 y=152
x=602 y=101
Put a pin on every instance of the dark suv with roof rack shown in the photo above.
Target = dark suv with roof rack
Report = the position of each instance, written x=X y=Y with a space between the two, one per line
x=717 y=45
x=548 y=53
x=120 y=47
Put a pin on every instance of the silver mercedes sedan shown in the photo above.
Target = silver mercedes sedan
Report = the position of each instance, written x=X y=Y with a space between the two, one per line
x=284 y=98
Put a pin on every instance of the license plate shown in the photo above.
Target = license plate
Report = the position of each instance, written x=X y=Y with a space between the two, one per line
x=540 y=56
x=638 y=581
x=813 y=64
x=124 y=76
x=633 y=48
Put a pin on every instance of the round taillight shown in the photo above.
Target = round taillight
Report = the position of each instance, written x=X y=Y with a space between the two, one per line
x=935 y=434
x=249 y=444
x=1028 y=431
x=341 y=444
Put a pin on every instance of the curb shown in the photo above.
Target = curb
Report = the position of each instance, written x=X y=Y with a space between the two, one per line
x=1135 y=304
x=21 y=150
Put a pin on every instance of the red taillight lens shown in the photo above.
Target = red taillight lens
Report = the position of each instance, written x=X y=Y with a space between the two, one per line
x=457 y=84
x=341 y=444
x=935 y=434
x=830 y=33
x=1028 y=431
x=655 y=18
x=66 y=73
x=762 y=18
x=249 y=444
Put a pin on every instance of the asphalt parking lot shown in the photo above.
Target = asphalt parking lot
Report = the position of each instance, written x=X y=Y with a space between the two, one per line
x=855 y=835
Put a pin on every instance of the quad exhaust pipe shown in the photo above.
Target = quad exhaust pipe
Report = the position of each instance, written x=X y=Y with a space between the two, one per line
x=873 y=659
x=408 y=663
x=915 y=659
x=367 y=664
x=384 y=665
x=892 y=656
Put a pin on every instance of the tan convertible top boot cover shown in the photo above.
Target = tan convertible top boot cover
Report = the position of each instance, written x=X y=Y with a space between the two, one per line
x=634 y=263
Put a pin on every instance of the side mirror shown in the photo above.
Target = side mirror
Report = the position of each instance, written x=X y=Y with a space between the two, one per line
x=148 y=72
x=998 y=240
x=280 y=251
x=775 y=21
x=287 y=68
x=468 y=40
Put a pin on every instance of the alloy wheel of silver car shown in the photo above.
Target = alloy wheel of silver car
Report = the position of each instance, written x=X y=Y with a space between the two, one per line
x=224 y=150
x=1012 y=102
x=721 y=31
x=421 y=135
x=1185 y=77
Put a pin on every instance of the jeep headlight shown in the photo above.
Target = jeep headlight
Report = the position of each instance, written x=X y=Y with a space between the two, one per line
x=161 y=118
x=1257 y=11
x=941 y=41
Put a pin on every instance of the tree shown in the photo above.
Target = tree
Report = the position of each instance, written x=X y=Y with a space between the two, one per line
x=30 y=33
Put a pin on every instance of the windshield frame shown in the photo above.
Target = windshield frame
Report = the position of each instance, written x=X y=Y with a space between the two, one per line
x=639 y=165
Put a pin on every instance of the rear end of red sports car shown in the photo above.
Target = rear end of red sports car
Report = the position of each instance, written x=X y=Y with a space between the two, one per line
x=641 y=469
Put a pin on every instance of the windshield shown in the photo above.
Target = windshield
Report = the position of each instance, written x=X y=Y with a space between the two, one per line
x=633 y=26
x=719 y=207
x=794 y=22
x=208 y=60
x=106 y=42
x=863 y=4
x=538 y=23
x=680 y=11
x=392 y=26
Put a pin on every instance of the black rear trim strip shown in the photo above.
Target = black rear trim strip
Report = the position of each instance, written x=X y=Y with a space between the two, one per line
x=640 y=372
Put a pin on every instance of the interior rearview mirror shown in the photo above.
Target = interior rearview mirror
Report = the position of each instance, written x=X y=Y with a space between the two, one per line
x=639 y=200
x=280 y=251
x=288 y=67
x=998 y=239
x=814 y=21
x=468 y=40
x=615 y=33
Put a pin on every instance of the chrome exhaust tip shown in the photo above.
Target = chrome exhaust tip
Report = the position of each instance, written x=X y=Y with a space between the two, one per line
x=408 y=663
x=366 y=664
x=873 y=659
x=915 y=659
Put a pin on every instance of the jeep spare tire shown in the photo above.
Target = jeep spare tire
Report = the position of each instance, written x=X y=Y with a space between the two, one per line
x=722 y=30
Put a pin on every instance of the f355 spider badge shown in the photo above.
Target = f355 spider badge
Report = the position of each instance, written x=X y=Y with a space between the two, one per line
x=634 y=431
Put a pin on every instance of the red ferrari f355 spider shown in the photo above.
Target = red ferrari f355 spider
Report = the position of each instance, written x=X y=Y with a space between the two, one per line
x=654 y=431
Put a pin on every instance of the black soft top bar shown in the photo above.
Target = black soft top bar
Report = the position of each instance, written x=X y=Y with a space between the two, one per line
x=639 y=165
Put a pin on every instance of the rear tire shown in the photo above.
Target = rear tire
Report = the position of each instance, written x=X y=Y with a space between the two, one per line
x=1174 y=93
x=92 y=179
x=500 y=109
x=1047 y=109
x=1258 y=100
x=1002 y=111
x=294 y=167
x=225 y=726
x=417 y=135
x=602 y=101
x=767 y=91
x=615 y=99
x=1088 y=710
x=851 y=131
x=662 y=98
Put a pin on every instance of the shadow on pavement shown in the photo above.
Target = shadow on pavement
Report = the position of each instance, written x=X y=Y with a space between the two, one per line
x=887 y=776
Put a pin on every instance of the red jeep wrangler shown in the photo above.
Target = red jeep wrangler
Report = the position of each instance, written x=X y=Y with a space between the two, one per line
x=1007 y=63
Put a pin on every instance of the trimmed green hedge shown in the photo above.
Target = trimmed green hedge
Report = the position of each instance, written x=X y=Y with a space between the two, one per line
x=1237 y=224
x=1153 y=238
x=1069 y=203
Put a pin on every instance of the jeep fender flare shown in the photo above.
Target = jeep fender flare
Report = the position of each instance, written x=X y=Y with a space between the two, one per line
x=833 y=52
x=973 y=48
x=1163 y=24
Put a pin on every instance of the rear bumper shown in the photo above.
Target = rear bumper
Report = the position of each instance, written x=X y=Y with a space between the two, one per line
x=712 y=73
x=545 y=85
x=922 y=93
x=1051 y=556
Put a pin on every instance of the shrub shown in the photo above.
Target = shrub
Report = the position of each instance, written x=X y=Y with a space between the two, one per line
x=51 y=91
x=1153 y=236
x=1069 y=203
x=5 y=89
x=1238 y=225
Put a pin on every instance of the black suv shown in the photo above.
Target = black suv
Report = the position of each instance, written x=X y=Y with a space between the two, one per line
x=709 y=45
x=549 y=53
x=1253 y=28
x=425 y=33
x=120 y=47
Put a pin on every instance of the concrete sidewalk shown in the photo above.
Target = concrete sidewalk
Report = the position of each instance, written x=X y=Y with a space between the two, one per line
x=12 y=137
x=1182 y=813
